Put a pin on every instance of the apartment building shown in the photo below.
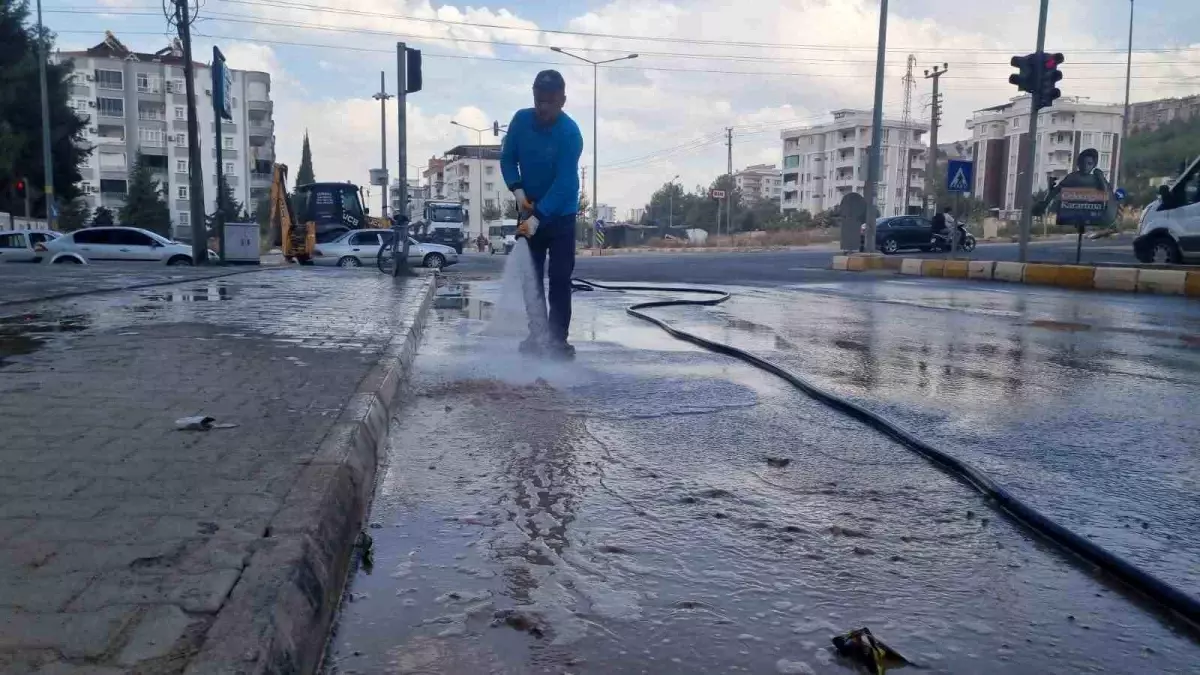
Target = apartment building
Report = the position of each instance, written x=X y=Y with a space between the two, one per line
x=135 y=102
x=823 y=163
x=636 y=214
x=471 y=175
x=1149 y=115
x=435 y=177
x=761 y=181
x=606 y=213
x=1001 y=141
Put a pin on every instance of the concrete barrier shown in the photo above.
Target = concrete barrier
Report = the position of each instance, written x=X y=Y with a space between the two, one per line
x=1165 y=282
x=980 y=269
x=1192 y=287
x=932 y=268
x=1115 y=279
x=841 y=262
x=1043 y=275
x=1076 y=276
x=1009 y=271
x=955 y=269
x=856 y=264
x=911 y=266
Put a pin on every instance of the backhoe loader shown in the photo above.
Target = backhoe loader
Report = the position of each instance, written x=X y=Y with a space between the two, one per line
x=315 y=214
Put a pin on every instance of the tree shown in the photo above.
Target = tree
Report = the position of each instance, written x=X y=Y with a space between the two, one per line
x=21 y=116
x=234 y=211
x=491 y=212
x=73 y=215
x=145 y=206
x=102 y=217
x=585 y=206
x=510 y=209
x=304 y=175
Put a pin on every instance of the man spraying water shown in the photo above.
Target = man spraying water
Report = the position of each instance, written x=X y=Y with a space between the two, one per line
x=540 y=164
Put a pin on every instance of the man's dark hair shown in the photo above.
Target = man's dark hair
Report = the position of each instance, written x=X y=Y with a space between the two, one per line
x=947 y=210
x=549 y=81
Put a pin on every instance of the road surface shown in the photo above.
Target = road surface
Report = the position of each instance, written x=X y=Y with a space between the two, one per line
x=619 y=514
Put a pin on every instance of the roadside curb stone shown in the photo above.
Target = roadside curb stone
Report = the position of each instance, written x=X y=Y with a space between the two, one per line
x=278 y=617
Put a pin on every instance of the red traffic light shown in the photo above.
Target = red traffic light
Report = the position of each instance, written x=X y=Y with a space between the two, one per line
x=20 y=185
x=1053 y=61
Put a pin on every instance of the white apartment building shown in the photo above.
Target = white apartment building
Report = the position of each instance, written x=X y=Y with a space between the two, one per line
x=636 y=214
x=762 y=181
x=1000 y=140
x=823 y=163
x=471 y=173
x=135 y=102
x=606 y=213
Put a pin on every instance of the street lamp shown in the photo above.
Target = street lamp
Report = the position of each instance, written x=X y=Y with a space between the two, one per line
x=479 y=157
x=671 y=197
x=595 y=117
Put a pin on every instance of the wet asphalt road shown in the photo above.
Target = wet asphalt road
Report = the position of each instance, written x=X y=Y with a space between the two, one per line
x=618 y=514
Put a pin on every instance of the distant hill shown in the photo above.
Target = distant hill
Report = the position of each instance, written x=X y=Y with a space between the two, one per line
x=1158 y=153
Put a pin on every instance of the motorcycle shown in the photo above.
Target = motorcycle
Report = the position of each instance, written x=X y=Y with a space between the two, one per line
x=942 y=242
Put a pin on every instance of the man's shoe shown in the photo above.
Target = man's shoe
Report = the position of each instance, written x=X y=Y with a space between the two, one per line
x=531 y=345
x=560 y=351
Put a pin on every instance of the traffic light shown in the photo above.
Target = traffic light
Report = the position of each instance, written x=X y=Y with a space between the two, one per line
x=496 y=128
x=20 y=189
x=412 y=64
x=1026 y=78
x=1048 y=80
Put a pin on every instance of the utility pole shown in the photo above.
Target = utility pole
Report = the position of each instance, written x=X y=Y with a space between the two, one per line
x=1125 y=119
x=1025 y=179
x=729 y=194
x=382 y=96
x=47 y=158
x=183 y=22
x=935 y=121
x=873 y=160
x=906 y=129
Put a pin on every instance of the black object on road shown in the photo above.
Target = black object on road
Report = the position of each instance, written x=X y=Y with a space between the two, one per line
x=869 y=651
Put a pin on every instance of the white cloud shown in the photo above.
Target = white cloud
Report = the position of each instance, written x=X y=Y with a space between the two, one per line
x=649 y=105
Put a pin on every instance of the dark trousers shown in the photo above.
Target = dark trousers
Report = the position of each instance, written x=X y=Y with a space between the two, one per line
x=555 y=237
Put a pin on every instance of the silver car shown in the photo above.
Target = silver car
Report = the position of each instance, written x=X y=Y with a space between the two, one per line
x=361 y=247
x=115 y=244
x=22 y=245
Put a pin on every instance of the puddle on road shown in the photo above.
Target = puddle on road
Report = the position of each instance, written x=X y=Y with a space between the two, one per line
x=26 y=333
x=214 y=293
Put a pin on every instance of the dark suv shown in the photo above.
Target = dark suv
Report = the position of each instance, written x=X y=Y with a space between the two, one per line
x=900 y=232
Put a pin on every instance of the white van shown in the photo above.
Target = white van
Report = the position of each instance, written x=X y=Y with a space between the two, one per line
x=502 y=235
x=1169 y=230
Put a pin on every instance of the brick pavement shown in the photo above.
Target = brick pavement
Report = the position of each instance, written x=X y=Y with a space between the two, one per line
x=121 y=537
x=26 y=283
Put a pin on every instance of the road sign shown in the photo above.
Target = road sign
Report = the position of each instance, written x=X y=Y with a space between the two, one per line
x=718 y=194
x=1120 y=194
x=222 y=85
x=599 y=227
x=960 y=175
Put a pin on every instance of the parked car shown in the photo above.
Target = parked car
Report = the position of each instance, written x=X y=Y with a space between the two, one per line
x=114 y=244
x=361 y=247
x=21 y=245
x=1169 y=229
x=900 y=232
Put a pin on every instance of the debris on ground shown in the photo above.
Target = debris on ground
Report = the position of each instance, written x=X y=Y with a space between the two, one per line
x=869 y=651
x=366 y=551
x=526 y=622
x=779 y=462
x=200 y=423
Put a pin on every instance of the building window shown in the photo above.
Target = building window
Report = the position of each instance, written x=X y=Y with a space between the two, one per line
x=178 y=86
x=87 y=188
x=184 y=218
x=229 y=168
x=110 y=107
x=791 y=161
x=1106 y=141
x=151 y=137
x=489 y=187
x=112 y=161
x=227 y=142
x=181 y=192
x=180 y=112
x=1104 y=161
x=181 y=140
x=148 y=84
x=489 y=170
x=181 y=165
x=110 y=79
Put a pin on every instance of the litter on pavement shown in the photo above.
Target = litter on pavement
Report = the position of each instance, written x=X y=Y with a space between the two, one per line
x=869 y=651
x=200 y=423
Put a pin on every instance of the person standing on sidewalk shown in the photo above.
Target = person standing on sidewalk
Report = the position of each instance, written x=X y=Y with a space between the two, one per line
x=540 y=165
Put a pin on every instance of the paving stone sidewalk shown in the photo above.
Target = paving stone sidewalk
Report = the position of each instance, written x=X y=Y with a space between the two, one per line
x=121 y=537
x=26 y=283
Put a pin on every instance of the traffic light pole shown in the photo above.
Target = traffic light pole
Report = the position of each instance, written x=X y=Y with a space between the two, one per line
x=1025 y=177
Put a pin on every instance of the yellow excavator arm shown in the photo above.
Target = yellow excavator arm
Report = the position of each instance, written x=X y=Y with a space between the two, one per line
x=296 y=241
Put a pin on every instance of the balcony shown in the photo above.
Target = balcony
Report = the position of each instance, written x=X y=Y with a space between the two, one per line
x=265 y=106
x=844 y=160
x=110 y=140
x=152 y=116
x=844 y=181
x=260 y=180
x=260 y=129
x=230 y=179
x=226 y=153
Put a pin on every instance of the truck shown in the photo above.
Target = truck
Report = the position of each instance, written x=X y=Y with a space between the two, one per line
x=441 y=222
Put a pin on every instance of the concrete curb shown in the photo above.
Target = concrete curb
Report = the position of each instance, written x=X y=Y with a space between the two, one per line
x=278 y=617
x=1174 y=281
x=588 y=252
x=132 y=287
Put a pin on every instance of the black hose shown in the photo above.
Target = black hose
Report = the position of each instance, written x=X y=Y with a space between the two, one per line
x=1161 y=594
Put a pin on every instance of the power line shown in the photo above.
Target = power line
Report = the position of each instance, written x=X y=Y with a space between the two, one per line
x=364 y=31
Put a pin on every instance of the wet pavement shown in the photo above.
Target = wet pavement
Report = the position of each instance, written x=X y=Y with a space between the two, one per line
x=28 y=283
x=619 y=514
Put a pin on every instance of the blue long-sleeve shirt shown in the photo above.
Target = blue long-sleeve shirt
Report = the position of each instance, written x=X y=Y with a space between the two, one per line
x=543 y=161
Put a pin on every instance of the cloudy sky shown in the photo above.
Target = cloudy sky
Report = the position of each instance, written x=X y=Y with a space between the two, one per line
x=758 y=66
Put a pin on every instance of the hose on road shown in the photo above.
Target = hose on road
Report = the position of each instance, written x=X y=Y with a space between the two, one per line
x=1162 y=595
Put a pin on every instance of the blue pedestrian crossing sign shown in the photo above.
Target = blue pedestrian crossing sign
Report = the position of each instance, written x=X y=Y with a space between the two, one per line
x=1120 y=194
x=960 y=175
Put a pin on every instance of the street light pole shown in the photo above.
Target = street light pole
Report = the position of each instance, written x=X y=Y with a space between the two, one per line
x=595 y=123
x=671 y=196
x=873 y=159
x=382 y=96
x=47 y=158
x=1125 y=118
x=479 y=166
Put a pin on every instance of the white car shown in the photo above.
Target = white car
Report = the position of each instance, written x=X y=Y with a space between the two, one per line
x=361 y=247
x=22 y=245
x=115 y=244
